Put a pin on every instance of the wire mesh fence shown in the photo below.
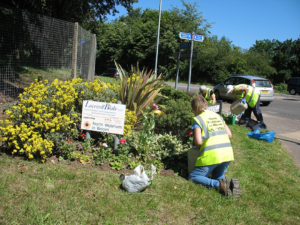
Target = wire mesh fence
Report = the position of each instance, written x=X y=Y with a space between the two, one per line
x=40 y=47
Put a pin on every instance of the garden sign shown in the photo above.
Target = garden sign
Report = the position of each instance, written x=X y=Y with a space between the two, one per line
x=103 y=117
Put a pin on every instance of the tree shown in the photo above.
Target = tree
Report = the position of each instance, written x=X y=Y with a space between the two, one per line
x=265 y=47
x=137 y=33
x=73 y=10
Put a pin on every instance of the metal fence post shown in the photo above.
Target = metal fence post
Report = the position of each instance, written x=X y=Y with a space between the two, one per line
x=75 y=50
x=92 y=61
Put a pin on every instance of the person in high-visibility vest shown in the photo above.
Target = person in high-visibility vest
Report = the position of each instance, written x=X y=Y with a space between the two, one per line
x=212 y=135
x=208 y=94
x=252 y=98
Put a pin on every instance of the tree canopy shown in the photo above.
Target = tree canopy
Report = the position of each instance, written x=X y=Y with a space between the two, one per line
x=132 y=38
x=72 y=10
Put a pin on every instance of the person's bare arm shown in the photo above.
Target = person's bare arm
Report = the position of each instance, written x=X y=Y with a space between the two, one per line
x=243 y=89
x=213 y=97
x=228 y=131
x=197 y=137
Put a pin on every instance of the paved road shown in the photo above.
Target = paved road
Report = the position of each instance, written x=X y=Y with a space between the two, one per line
x=281 y=116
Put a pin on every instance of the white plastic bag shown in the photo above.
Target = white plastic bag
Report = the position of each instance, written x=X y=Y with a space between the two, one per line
x=138 y=181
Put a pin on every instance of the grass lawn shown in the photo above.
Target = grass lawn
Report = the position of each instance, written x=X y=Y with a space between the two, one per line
x=35 y=193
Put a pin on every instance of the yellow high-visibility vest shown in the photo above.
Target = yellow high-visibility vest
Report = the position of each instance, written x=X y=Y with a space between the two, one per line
x=216 y=147
x=252 y=94
x=208 y=96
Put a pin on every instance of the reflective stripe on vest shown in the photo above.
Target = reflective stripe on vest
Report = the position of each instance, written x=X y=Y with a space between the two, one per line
x=216 y=147
x=212 y=147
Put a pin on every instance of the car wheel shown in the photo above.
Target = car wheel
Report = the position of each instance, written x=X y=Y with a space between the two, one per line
x=292 y=92
x=266 y=103
x=217 y=94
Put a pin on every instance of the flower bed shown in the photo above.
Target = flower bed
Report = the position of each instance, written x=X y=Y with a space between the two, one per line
x=46 y=121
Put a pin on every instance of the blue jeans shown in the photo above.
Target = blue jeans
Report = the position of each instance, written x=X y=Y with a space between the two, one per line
x=200 y=174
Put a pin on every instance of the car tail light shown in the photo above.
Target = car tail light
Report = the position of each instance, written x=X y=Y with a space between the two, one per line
x=270 y=83
x=253 y=83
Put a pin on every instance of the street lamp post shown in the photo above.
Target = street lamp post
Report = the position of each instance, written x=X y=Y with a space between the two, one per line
x=157 y=42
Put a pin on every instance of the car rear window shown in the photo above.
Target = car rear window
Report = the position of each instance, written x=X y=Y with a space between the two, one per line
x=262 y=83
x=294 y=80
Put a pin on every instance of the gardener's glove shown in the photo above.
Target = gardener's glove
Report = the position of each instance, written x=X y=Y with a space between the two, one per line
x=243 y=100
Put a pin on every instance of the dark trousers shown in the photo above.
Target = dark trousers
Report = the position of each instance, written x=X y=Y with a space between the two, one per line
x=256 y=110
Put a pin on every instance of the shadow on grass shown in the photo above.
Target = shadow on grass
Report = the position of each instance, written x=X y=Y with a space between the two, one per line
x=178 y=163
x=287 y=140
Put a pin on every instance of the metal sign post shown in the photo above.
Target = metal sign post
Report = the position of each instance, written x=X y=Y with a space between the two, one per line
x=182 y=45
x=193 y=37
x=177 y=70
x=191 y=59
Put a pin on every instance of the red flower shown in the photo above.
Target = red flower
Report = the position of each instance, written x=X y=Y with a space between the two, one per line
x=190 y=132
x=122 y=141
x=83 y=135
x=69 y=141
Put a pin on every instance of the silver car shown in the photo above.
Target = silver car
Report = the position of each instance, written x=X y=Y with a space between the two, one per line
x=262 y=84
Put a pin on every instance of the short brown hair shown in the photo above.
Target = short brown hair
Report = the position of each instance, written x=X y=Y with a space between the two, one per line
x=199 y=104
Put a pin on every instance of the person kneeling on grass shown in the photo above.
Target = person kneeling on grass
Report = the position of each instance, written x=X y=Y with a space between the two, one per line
x=212 y=135
x=208 y=94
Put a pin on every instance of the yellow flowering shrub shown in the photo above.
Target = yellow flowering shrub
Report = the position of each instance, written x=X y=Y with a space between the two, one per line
x=130 y=121
x=47 y=111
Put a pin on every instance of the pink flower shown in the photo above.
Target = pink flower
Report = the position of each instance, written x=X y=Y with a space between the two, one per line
x=154 y=106
x=122 y=141
x=105 y=145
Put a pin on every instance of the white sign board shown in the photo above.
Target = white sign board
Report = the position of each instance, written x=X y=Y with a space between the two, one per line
x=214 y=108
x=103 y=117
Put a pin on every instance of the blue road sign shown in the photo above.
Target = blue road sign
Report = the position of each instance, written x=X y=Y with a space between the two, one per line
x=198 y=37
x=186 y=36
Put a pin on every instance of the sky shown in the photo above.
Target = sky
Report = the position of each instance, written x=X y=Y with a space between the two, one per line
x=241 y=21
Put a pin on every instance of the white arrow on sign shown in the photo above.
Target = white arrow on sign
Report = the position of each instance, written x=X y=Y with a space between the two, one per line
x=186 y=36
x=198 y=37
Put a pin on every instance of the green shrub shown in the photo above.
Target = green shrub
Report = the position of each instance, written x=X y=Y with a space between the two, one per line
x=281 y=88
x=170 y=93
x=168 y=146
x=176 y=119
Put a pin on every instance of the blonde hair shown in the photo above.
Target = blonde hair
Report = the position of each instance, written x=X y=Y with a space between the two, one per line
x=199 y=104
